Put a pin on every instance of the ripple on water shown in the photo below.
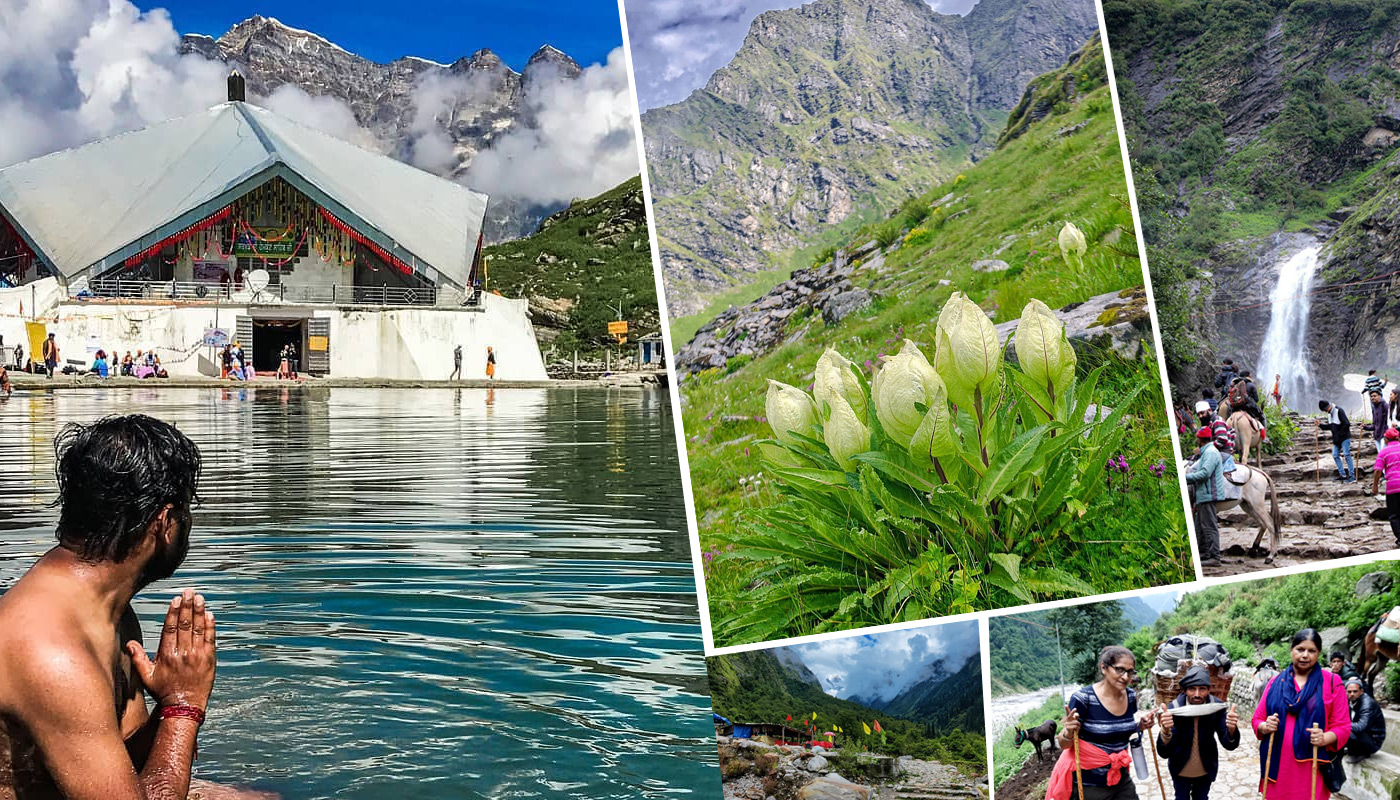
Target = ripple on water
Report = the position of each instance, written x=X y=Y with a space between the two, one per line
x=456 y=594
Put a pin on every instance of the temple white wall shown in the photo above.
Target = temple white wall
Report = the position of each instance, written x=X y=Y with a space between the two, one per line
x=396 y=343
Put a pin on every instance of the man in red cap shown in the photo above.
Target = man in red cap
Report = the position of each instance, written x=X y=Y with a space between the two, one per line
x=1208 y=480
x=1388 y=463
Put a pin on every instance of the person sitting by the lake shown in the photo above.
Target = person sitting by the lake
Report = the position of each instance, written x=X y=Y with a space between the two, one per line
x=1208 y=477
x=1388 y=464
x=1189 y=745
x=159 y=370
x=128 y=365
x=99 y=364
x=1367 y=721
x=1208 y=397
x=1101 y=718
x=73 y=669
x=1304 y=710
x=1340 y=427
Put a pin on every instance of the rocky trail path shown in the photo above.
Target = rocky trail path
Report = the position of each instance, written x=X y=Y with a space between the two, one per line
x=1322 y=519
x=929 y=780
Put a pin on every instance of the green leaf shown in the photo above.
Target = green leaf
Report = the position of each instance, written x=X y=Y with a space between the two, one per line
x=819 y=479
x=896 y=469
x=1050 y=579
x=1006 y=575
x=1009 y=464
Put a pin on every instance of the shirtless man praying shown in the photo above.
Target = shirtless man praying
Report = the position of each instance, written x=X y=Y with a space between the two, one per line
x=73 y=670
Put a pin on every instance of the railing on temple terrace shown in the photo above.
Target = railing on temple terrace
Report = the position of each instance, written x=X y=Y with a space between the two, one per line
x=215 y=291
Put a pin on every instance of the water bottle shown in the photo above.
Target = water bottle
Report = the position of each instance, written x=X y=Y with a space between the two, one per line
x=1139 y=758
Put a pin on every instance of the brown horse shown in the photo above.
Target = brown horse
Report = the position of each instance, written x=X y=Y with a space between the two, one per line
x=1247 y=430
x=1375 y=653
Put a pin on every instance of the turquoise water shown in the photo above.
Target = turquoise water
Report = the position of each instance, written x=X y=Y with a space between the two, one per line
x=424 y=593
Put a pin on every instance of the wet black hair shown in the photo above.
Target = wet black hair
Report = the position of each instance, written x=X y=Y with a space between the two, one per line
x=1110 y=655
x=114 y=476
x=1306 y=635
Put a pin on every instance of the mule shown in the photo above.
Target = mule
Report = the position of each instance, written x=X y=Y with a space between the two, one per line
x=1375 y=654
x=1255 y=485
x=1044 y=732
x=1247 y=435
x=1265 y=673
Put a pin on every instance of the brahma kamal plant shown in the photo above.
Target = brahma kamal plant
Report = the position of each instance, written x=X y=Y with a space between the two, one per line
x=922 y=492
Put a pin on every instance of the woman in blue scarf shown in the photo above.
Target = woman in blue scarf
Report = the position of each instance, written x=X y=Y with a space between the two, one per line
x=1304 y=707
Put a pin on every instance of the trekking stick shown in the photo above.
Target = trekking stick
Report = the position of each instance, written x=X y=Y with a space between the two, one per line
x=1313 y=783
x=1078 y=772
x=1158 y=766
x=1317 y=449
x=1268 y=762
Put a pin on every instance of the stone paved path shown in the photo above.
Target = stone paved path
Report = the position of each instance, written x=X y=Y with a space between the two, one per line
x=1321 y=519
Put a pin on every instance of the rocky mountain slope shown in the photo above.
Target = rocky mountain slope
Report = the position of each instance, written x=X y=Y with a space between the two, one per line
x=1253 y=123
x=758 y=686
x=481 y=97
x=828 y=106
x=942 y=698
x=580 y=264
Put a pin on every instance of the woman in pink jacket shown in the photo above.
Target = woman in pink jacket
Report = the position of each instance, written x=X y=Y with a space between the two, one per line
x=1303 y=711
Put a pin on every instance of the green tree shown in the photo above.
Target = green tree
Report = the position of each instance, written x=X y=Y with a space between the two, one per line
x=1084 y=631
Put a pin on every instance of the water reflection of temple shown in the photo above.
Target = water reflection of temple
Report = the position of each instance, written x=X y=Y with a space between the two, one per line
x=238 y=223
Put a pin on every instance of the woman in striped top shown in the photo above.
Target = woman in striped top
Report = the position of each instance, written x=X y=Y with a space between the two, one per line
x=1102 y=716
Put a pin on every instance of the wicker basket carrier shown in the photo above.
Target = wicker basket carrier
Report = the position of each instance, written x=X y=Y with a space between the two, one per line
x=1169 y=685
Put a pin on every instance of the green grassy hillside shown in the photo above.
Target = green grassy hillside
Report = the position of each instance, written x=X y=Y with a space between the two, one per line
x=1066 y=167
x=596 y=254
x=753 y=687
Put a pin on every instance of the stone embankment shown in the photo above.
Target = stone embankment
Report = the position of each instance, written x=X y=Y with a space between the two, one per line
x=755 y=771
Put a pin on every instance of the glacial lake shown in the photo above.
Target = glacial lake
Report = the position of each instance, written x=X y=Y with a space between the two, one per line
x=422 y=593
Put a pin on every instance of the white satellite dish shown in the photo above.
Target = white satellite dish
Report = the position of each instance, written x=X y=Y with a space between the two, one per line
x=257 y=280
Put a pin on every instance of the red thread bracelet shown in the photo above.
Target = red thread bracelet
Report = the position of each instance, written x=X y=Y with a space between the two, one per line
x=189 y=712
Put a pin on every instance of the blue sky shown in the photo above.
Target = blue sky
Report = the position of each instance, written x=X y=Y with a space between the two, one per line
x=882 y=665
x=440 y=30
x=678 y=44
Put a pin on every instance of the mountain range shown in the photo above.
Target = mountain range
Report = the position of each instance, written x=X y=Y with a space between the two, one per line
x=830 y=107
x=1252 y=119
x=768 y=685
x=479 y=98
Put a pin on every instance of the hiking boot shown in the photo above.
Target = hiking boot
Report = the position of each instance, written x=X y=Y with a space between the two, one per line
x=1340 y=477
x=1211 y=562
x=1351 y=477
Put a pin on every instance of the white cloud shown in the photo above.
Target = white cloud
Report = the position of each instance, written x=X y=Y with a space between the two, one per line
x=325 y=114
x=880 y=666
x=72 y=71
x=583 y=144
x=677 y=44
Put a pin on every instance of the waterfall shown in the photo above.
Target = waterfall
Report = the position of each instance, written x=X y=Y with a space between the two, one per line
x=1285 y=350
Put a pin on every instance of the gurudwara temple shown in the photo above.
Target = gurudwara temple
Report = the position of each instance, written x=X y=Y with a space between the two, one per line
x=237 y=224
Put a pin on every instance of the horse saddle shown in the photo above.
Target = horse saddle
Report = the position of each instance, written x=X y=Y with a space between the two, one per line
x=1238 y=476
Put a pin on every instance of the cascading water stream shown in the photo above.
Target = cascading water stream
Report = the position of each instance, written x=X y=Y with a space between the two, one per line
x=1285 y=350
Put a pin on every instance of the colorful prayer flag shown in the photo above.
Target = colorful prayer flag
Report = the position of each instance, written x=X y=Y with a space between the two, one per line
x=867 y=727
